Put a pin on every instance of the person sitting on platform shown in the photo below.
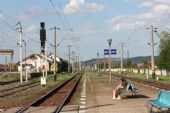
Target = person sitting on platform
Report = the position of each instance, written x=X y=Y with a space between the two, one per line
x=121 y=86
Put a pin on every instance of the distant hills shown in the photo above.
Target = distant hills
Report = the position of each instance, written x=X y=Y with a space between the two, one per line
x=140 y=59
x=135 y=60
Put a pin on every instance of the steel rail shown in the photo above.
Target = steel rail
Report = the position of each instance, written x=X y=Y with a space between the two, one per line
x=18 y=89
x=44 y=97
x=59 y=108
x=11 y=88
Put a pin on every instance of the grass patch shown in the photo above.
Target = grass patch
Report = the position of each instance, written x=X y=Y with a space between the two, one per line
x=162 y=79
x=9 y=77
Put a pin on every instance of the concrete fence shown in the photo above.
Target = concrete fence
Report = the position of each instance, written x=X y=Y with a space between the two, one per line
x=143 y=71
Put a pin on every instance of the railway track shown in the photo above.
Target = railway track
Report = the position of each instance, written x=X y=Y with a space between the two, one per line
x=152 y=83
x=13 y=91
x=57 y=97
x=9 y=82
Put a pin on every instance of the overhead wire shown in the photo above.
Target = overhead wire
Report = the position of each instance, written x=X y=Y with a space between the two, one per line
x=70 y=28
x=67 y=26
x=60 y=18
x=13 y=28
x=14 y=20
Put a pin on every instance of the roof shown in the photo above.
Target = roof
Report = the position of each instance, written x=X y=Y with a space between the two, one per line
x=32 y=55
x=58 y=59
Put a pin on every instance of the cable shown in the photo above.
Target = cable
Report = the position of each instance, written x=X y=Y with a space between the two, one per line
x=58 y=15
x=63 y=39
x=10 y=26
x=8 y=16
x=13 y=27
x=64 y=15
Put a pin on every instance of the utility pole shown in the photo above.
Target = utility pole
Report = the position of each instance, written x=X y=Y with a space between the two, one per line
x=80 y=63
x=153 y=29
x=55 y=46
x=128 y=60
x=97 y=62
x=25 y=58
x=73 y=64
x=20 y=45
x=110 y=42
x=69 y=46
x=121 y=64
x=104 y=64
x=55 y=78
x=77 y=63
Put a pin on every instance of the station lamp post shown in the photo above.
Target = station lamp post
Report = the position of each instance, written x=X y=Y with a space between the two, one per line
x=110 y=42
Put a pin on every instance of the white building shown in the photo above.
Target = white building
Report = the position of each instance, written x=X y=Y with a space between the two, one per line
x=34 y=62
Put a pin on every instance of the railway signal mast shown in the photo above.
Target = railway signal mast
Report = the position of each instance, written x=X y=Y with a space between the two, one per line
x=43 y=39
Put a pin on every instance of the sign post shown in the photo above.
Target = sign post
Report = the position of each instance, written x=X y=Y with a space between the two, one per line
x=43 y=79
x=109 y=52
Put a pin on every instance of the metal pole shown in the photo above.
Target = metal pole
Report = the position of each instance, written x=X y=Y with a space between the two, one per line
x=20 y=44
x=73 y=64
x=104 y=64
x=110 y=42
x=128 y=60
x=97 y=62
x=80 y=63
x=25 y=61
x=55 y=46
x=152 y=53
x=110 y=63
x=121 y=57
x=55 y=77
x=46 y=52
x=69 y=58
x=12 y=60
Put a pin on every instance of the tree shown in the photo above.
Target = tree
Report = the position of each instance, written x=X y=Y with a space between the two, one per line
x=164 y=51
x=129 y=63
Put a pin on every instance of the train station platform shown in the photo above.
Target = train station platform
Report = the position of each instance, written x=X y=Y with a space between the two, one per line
x=99 y=96
x=96 y=97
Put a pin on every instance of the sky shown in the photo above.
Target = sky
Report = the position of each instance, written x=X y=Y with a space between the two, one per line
x=86 y=25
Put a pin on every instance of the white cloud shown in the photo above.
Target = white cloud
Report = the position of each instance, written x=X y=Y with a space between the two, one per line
x=81 y=7
x=31 y=29
x=146 y=4
x=93 y=7
x=161 y=8
x=1 y=16
x=36 y=11
x=158 y=15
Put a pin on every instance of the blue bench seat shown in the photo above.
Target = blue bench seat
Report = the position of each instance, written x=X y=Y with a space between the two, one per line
x=162 y=101
x=158 y=104
x=131 y=88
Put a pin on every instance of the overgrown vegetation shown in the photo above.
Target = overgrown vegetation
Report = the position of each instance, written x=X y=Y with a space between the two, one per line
x=162 y=79
x=164 y=49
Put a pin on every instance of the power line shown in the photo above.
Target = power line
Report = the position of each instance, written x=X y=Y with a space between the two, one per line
x=14 y=20
x=13 y=28
x=64 y=15
x=8 y=16
x=58 y=15
x=66 y=26
x=64 y=38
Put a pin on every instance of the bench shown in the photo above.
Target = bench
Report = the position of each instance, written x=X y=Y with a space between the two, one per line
x=162 y=101
x=131 y=87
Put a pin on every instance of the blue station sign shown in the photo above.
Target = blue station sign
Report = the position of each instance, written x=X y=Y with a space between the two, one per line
x=113 y=51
